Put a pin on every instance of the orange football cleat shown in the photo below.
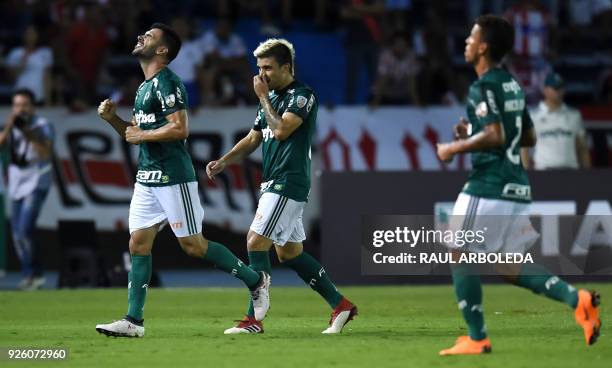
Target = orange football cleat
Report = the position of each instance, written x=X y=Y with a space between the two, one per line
x=587 y=314
x=466 y=346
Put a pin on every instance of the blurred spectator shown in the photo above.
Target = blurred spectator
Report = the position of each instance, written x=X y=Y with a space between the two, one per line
x=433 y=45
x=397 y=70
x=86 y=47
x=188 y=63
x=398 y=14
x=533 y=46
x=363 y=37
x=124 y=96
x=30 y=141
x=474 y=8
x=584 y=13
x=560 y=131
x=604 y=90
x=227 y=75
x=30 y=64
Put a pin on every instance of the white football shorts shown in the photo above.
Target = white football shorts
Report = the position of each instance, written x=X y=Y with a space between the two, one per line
x=279 y=219
x=505 y=224
x=178 y=205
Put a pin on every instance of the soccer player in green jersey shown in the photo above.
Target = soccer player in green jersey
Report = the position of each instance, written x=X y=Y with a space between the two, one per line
x=499 y=125
x=284 y=127
x=166 y=190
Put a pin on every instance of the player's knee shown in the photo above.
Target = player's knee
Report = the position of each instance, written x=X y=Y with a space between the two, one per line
x=288 y=254
x=257 y=243
x=138 y=247
x=193 y=247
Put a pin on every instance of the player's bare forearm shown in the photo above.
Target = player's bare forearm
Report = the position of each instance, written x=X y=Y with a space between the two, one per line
x=491 y=137
x=118 y=124
x=175 y=130
x=273 y=119
x=243 y=148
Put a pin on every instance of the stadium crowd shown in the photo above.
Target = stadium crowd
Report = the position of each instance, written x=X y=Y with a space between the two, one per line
x=410 y=51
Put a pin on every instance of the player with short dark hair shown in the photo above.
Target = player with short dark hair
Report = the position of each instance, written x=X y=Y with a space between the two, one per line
x=166 y=190
x=499 y=125
x=284 y=126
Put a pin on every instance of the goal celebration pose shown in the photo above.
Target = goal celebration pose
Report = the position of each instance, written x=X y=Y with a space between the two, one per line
x=166 y=190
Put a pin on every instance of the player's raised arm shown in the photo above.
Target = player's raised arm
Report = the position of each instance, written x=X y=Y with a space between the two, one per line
x=282 y=126
x=108 y=111
x=241 y=150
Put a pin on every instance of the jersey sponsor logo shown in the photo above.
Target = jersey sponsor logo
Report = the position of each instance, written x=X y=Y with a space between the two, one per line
x=310 y=103
x=170 y=100
x=267 y=134
x=511 y=86
x=482 y=110
x=301 y=101
x=278 y=187
x=517 y=191
x=266 y=185
x=144 y=176
x=492 y=104
x=142 y=118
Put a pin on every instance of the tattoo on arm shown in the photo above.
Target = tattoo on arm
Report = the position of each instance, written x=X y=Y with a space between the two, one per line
x=272 y=118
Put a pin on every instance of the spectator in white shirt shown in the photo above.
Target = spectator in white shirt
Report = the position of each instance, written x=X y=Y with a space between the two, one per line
x=227 y=74
x=188 y=63
x=30 y=65
x=560 y=131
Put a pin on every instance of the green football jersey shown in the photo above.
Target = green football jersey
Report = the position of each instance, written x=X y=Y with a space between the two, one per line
x=498 y=173
x=286 y=164
x=161 y=163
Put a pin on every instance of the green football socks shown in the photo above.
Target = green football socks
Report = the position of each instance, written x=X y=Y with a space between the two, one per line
x=539 y=280
x=468 y=289
x=313 y=274
x=139 y=278
x=224 y=259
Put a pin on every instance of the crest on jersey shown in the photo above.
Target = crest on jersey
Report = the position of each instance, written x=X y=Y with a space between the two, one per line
x=301 y=101
x=482 y=110
x=170 y=100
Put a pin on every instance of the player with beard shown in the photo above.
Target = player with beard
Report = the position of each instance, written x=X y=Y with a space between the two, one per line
x=166 y=190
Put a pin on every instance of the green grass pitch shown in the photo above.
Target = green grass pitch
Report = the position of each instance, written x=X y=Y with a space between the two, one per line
x=397 y=327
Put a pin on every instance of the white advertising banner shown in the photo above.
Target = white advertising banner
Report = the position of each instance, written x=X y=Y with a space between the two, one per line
x=362 y=139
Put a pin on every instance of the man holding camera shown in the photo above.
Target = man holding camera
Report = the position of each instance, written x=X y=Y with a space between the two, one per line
x=30 y=140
